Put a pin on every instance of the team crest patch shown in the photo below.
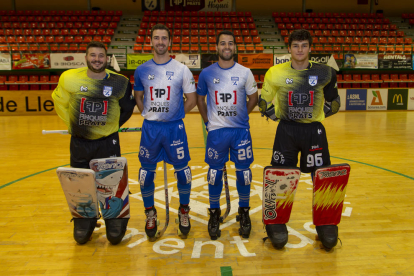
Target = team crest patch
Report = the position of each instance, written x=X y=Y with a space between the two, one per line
x=234 y=80
x=170 y=75
x=107 y=91
x=216 y=80
x=313 y=80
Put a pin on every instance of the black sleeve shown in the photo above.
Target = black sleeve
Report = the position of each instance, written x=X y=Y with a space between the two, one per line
x=330 y=91
x=127 y=104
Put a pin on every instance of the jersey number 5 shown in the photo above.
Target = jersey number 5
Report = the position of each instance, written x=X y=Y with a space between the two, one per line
x=180 y=153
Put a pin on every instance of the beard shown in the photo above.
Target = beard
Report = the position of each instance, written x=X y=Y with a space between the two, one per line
x=230 y=57
x=161 y=52
x=99 y=70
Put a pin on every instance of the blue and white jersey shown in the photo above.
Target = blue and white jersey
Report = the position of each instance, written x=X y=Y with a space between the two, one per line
x=226 y=91
x=163 y=86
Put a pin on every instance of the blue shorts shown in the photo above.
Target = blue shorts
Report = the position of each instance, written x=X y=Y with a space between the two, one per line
x=237 y=140
x=164 y=141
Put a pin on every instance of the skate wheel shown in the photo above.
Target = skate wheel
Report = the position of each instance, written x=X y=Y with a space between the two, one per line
x=151 y=239
x=237 y=218
x=177 y=220
x=181 y=234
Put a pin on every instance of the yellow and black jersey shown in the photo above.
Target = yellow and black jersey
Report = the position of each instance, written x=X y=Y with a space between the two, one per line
x=93 y=109
x=299 y=95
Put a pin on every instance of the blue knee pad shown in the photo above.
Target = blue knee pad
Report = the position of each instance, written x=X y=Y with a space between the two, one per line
x=183 y=175
x=244 y=176
x=244 y=179
x=146 y=177
x=214 y=177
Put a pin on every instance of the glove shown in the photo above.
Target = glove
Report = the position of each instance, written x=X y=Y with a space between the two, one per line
x=269 y=112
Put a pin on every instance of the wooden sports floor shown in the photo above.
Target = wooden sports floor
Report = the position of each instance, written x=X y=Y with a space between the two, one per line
x=377 y=227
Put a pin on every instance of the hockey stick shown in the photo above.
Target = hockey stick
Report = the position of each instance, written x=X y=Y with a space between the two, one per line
x=167 y=205
x=226 y=187
x=123 y=129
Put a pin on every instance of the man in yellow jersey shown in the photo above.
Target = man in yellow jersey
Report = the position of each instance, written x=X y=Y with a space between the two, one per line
x=303 y=93
x=93 y=102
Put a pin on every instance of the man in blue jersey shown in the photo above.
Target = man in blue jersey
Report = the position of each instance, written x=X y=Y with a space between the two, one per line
x=227 y=85
x=160 y=84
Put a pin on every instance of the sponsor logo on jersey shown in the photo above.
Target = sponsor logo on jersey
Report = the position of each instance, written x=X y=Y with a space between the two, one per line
x=176 y=143
x=144 y=152
x=316 y=147
x=278 y=157
x=243 y=142
x=234 y=80
x=93 y=107
x=107 y=91
x=151 y=77
x=313 y=80
x=216 y=80
x=289 y=81
x=170 y=75
x=319 y=131
x=212 y=153
x=180 y=126
x=84 y=89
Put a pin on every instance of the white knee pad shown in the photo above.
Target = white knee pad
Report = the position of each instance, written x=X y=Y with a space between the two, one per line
x=244 y=177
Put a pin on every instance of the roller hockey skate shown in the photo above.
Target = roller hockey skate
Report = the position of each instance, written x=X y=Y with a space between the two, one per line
x=151 y=223
x=183 y=220
x=83 y=229
x=328 y=235
x=115 y=229
x=277 y=234
x=214 y=223
x=245 y=223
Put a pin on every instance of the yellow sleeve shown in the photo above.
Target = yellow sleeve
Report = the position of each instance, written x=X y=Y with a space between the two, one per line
x=61 y=98
x=268 y=89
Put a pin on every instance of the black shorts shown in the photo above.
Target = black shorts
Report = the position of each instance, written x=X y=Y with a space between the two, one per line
x=82 y=150
x=308 y=139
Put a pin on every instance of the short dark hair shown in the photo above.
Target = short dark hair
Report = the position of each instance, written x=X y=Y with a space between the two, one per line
x=225 y=32
x=160 y=27
x=300 y=35
x=95 y=44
